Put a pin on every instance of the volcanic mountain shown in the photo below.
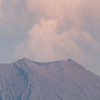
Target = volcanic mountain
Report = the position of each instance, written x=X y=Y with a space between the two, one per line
x=59 y=80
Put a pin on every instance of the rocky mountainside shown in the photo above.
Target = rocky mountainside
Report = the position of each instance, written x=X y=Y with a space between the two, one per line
x=59 y=80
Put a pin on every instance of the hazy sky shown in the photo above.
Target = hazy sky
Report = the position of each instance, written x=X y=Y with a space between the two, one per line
x=50 y=30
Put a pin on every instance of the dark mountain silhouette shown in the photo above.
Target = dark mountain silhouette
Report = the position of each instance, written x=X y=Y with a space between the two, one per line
x=59 y=80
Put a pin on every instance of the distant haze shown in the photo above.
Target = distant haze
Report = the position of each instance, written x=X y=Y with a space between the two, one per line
x=51 y=30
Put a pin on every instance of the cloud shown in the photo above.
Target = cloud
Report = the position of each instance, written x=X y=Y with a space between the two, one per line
x=73 y=12
x=56 y=9
x=14 y=1
x=1 y=2
x=1 y=12
x=1 y=15
x=59 y=32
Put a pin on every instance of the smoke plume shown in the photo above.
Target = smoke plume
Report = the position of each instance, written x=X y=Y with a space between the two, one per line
x=58 y=32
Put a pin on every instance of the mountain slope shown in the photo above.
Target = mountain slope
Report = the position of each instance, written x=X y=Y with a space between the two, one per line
x=60 y=80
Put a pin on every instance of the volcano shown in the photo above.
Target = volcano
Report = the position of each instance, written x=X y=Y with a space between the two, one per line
x=58 y=80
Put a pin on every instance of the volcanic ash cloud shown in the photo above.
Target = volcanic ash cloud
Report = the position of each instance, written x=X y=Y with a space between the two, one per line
x=59 y=31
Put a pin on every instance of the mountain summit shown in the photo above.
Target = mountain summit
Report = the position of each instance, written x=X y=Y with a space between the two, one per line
x=58 y=80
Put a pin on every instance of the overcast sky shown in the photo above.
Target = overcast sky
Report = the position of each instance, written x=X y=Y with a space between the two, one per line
x=51 y=30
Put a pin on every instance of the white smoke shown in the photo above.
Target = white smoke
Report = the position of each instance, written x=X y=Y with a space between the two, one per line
x=58 y=31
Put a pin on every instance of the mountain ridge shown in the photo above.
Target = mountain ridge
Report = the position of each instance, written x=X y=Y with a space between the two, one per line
x=40 y=63
x=58 y=80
